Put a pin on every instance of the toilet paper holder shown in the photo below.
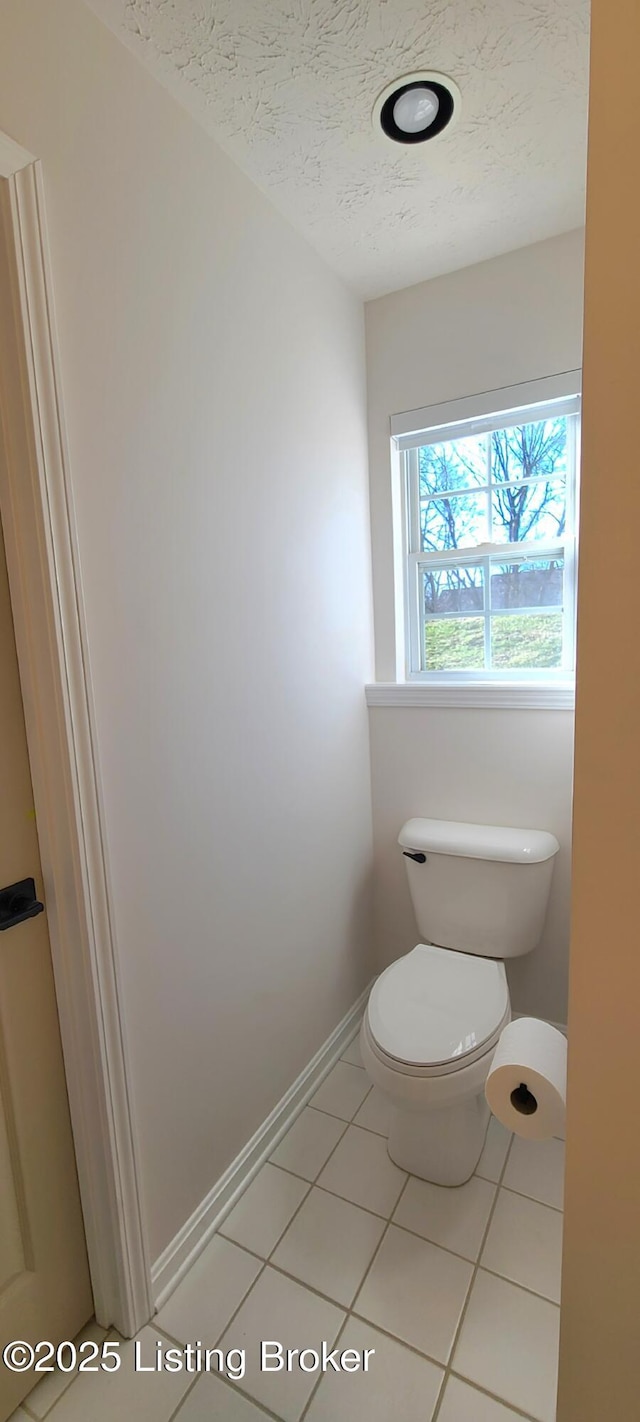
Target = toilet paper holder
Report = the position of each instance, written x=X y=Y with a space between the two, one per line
x=523 y=1100
x=527 y=1080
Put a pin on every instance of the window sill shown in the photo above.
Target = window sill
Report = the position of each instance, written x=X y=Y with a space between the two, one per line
x=557 y=696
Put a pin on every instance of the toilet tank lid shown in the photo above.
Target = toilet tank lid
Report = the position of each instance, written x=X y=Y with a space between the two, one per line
x=508 y=845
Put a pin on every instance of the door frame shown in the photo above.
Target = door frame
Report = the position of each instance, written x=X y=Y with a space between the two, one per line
x=50 y=628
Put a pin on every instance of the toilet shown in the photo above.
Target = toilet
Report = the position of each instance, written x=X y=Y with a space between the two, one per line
x=433 y=1018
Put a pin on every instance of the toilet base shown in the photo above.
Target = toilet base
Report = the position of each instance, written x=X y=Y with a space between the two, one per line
x=442 y=1146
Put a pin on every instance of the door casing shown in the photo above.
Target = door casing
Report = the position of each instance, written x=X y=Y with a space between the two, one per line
x=46 y=598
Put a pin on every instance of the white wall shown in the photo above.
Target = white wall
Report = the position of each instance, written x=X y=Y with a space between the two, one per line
x=213 y=372
x=513 y=319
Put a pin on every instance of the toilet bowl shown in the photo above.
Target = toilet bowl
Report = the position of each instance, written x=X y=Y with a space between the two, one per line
x=427 y=1039
x=434 y=1016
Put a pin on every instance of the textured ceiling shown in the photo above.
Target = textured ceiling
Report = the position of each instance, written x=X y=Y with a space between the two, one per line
x=287 y=88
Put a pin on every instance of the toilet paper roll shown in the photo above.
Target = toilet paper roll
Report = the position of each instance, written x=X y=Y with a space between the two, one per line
x=527 y=1084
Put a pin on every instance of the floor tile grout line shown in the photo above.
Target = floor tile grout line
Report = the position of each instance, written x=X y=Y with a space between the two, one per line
x=25 y=1403
x=179 y=1343
x=386 y=1220
x=228 y=1239
x=535 y=1199
x=426 y=1239
x=395 y=1338
x=319 y=1380
x=406 y=1229
x=346 y=1121
x=169 y=1337
x=465 y=1306
x=348 y=1314
x=311 y=1185
x=352 y=1121
x=356 y=1204
x=344 y=1058
x=384 y=1135
x=515 y=1284
x=191 y=1388
x=269 y=1261
x=445 y=1369
x=326 y=1298
x=347 y=1124
x=287 y=1170
x=262 y=1259
x=323 y=1167
x=485 y=1392
x=315 y=1183
x=266 y=1257
x=233 y=1386
x=233 y=1383
x=376 y=1251
x=389 y=1220
x=266 y=1263
x=323 y=1109
x=73 y=1377
x=236 y=1311
x=351 y=1310
x=392 y=1220
x=41 y=1417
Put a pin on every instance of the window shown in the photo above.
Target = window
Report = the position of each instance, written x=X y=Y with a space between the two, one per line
x=490 y=548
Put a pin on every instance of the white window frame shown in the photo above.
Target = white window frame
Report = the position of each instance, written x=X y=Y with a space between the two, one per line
x=543 y=399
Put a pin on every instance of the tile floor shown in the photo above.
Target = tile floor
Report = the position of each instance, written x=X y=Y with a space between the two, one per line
x=456 y=1290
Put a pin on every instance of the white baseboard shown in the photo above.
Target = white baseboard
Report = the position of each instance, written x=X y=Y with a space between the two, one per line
x=180 y=1254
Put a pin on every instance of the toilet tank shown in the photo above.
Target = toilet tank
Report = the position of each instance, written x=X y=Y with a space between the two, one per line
x=480 y=888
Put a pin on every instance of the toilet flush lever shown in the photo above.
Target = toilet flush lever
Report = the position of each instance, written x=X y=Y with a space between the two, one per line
x=412 y=854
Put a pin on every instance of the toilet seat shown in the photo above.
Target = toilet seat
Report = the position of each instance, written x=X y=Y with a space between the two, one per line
x=436 y=1010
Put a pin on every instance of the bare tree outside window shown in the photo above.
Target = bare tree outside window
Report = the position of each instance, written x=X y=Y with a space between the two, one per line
x=508 y=486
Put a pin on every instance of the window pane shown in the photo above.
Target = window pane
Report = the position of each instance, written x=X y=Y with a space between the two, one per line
x=453 y=590
x=454 y=644
x=459 y=521
x=491 y=610
x=529 y=511
x=527 y=583
x=458 y=464
x=526 y=640
x=529 y=451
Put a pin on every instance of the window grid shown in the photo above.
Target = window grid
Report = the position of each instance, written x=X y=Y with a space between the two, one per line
x=489 y=554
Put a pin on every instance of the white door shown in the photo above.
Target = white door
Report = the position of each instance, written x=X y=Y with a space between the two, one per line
x=45 y=1291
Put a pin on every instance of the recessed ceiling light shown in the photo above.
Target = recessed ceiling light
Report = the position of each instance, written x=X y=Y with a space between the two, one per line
x=417 y=107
